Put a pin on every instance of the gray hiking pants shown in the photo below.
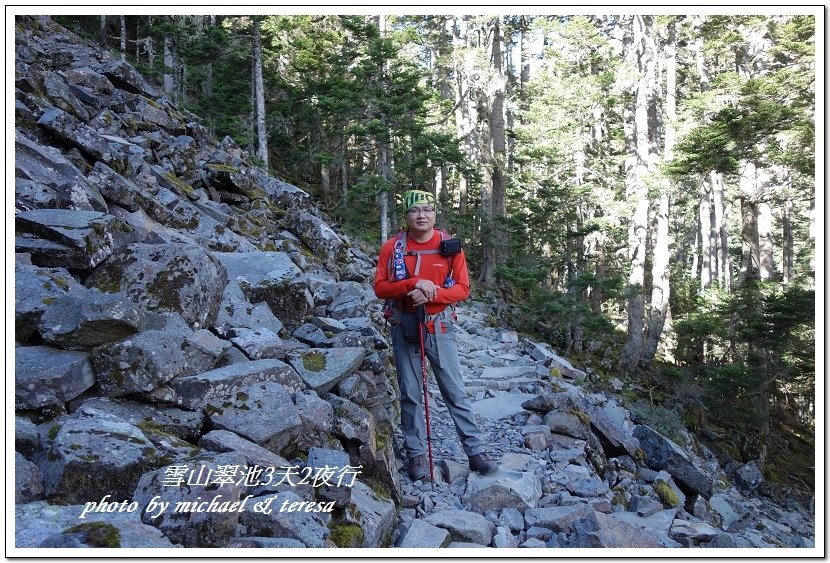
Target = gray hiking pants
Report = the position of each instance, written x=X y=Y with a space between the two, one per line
x=447 y=372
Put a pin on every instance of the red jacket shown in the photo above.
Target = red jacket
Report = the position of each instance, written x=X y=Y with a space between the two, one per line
x=433 y=267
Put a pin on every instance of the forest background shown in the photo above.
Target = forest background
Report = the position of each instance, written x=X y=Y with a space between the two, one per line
x=638 y=190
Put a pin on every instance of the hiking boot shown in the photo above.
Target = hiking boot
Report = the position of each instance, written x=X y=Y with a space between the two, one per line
x=482 y=464
x=418 y=467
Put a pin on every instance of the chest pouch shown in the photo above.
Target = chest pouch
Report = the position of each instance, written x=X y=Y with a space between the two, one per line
x=450 y=247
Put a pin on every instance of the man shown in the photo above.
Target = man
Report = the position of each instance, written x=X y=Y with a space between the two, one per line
x=421 y=276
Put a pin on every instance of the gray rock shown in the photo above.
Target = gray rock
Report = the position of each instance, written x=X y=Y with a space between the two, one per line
x=68 y=129
x=35 y=288
x=587 y=486
x=658 y=523
x=508 y=373
x=46 y=166
x=300 y=525
x=151 y=358
x=322 y=460
x=511 y=519
x=465 y=545
x=70 y=238
x=604 y=530
x=123 y=75
x=96 y=454
x=26 y=437
x=34 y=195
x=423 y=534
x=568 y=424
x=186 y=425
x=376 y=515
x=269 y=277
x=533 y=542
x=644 y=506
x=502 y=489
x=721 y=541
x=334 y=326
x=190 y=488
x=317 y=417
x=193 y=392
x=350 y=300
x=724 y=509
x=28 y=480
x=503 y=405
x=453 y=470
x=83 y=319
x=539 y=533
x=662 y=453
x=518 y=462
x=113 y=533
x=323 y=368
x=557 y=518
x=320 y=238
x=62 y=96
x=226 y=441
x=311 y=335
x=236 y=312
x=463 y=525
x=696 y=531
x=40 y=524
x=503 y=538
x=749 y=476
x=262 y=413
x=257 y=344
x=267 y=543
x=171 y=277
x=47 y=376
x=121 y=191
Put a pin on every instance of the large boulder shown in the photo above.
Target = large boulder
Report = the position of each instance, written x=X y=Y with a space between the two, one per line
x=40 y=524
x=28 y=480
x=235 y=311
x=463 y=525
x=195 y=391
x=306 y=527
x=187 y=491
x=662 y=453
x=85 y=318
x=45 y=178
x=124 y=76
x=323 y=368
x=150 y=358
x=69 y=238
x=186 y=425
x=269 y=277
x=96 y=454
x=35 y=288
x=46 y=376
x=262 y=413
x=320 y=238
x=376 y=515
x=67 y=129
x=502 y=489
x=604 y=530
x=170 y=277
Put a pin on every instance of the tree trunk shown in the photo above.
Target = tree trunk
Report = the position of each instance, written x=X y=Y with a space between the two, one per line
x=487 y=273
x=123 y=35
x=207 y=83
x=751 y=252
x=493 y=245
x=637 y=192
x=720 y=258
x=102 y=32
x=465 y=105
x=384 y=150
x=706 y=242
x=787 y=235
x=259 y=89
x=766 y=247
x=660 y=284
x=169 y=82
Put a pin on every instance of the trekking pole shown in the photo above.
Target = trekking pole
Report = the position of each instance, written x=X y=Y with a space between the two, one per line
x=421 y=329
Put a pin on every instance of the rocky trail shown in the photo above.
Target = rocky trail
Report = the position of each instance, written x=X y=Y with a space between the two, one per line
x=200 y=361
